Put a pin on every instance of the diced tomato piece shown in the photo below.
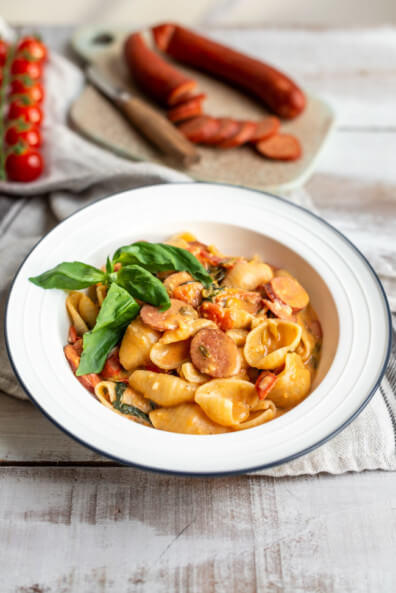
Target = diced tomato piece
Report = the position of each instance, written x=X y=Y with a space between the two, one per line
x=264 y=384
x=222 y=317
x=113 y=369
x=88 y=381
x=73 y=335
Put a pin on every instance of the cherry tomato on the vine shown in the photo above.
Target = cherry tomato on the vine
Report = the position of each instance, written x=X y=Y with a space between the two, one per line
x=34 y=46
x=25 y=85
x=20 y=129
x=23 y=107
x=3 y=52
x=23 y=163
x=26 y=65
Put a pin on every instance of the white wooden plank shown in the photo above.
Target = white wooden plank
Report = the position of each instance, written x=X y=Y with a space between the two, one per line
x=122 y=530
x=27 y=435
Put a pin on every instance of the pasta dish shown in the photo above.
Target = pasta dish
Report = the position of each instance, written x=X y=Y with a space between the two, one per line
x=179 y=337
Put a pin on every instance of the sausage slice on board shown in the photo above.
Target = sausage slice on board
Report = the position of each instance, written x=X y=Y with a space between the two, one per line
x=214 y=353
x=199 y=129
x=245 y=132
x=282 y=147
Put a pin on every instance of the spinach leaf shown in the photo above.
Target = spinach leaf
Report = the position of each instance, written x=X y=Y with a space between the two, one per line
x=117 y=310
x=69 y=276
x=142 y=285
x=127 y=408
x=159 y=257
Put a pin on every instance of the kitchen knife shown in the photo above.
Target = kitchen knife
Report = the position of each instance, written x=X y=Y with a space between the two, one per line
x=154 y=126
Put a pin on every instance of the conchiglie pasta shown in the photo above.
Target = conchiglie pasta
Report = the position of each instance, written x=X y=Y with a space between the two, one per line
x=185 y=418
x=226 y=401
x=248 y=275
x=267 y=345
x=105 y=391
x=190 y=373
x=136 y=345
x=164 y=390
x=170 y=356
x=293 y=383
x=267 y=412
x=187 y=329
x=238 y=336
x=82 y=310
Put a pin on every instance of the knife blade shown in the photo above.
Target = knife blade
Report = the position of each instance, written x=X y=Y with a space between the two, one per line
x=150 y=122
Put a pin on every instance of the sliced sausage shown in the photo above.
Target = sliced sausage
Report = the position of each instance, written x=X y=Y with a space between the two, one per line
x=289 y=291
x=153 y=74
x=243 y=134
x=273 y=87
x=281 y=147
x=199 y=129
x=266 y=128
x=188 y=109
x=214 y=353
x=178 y=312
x=228 y=128
x=176 y=279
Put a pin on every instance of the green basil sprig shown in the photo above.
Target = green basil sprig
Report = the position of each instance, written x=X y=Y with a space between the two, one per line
x=117 y=310
x=142 y=285
x=127 y=408
x=159 y=257
x=69 y=276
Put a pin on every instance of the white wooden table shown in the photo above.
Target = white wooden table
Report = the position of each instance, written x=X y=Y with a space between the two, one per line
x=71 y=521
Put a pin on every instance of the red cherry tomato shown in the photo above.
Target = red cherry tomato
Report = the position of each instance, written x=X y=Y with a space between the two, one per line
x=24 y=108
x=23 y=164
x=23 y=130
x=25 y=65
x=3 y=52
x=33 y=46
x=25 y=85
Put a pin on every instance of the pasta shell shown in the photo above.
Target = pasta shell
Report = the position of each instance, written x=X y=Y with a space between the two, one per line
x=82 y=310
x=267 y=412
x=185 y=418
x=293 y=383
x=190 y=373
x=164 y=390
x=248 y=275
x=226 y=401
x=238 y=336
x=106 y=394
x=170 y=356
x=136 y=345
x=267 y=345
x=187 y=329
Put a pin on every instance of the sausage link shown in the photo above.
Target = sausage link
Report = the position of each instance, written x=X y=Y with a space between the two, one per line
x=274 y=88
x=153 y=74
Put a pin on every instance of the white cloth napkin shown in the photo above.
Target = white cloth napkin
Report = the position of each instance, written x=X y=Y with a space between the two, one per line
x=79 y=172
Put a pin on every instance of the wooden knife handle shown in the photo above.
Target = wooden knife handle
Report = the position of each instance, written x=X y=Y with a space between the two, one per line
x=156 y=128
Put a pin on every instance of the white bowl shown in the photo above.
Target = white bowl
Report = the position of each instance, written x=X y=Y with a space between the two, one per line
x=344 y=290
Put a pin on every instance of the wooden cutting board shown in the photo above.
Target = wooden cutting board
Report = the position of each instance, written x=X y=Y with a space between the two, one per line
x=95 y=117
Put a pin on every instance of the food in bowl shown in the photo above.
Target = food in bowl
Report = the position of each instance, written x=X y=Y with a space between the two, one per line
x=182 y=338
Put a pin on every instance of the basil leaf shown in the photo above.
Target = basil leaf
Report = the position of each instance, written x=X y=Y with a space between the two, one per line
x=159 y=257
x=69 y=276
x=143 y=285
x=96 y=347
x=109 y=266
x=117 y=310
x=127 y=408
